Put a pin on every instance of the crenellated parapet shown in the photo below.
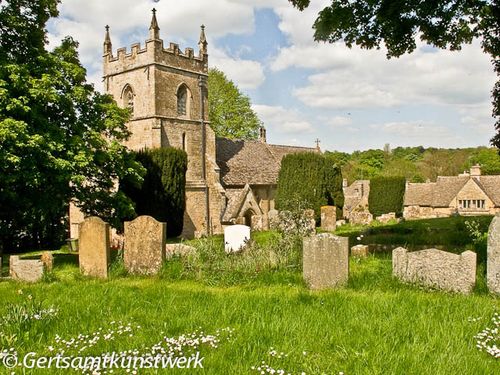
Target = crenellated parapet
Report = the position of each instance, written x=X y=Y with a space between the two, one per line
x=155 y=52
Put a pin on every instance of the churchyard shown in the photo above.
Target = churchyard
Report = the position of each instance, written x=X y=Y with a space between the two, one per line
x=258 y=310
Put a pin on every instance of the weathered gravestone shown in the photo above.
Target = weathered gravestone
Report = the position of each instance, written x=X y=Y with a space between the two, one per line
x=29 y=270
x=359 y=251
x=178 y=249
x=236 y=237
x=493 y=256
x=144 y=249
x=385 y=218
x=273 y=218
x=93 y=247
x=436 y=268
x=48 y=260
x=326 y=261
x=328 y=218
x=310 y=221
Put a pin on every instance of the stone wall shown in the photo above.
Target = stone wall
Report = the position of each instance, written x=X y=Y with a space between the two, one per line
x=436 y=269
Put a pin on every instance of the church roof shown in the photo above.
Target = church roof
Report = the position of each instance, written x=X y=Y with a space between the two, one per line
x=251 y=162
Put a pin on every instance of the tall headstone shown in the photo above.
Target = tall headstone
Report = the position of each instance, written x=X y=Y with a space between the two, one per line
x=28 y=270
x=493 y=256
x=236 y=237
x=326 y=261
x=328 y=218
x=93 y=247
x=144 y=249
x=436 y=269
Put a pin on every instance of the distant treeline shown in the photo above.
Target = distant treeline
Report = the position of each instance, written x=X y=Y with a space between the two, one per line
x=417 y=164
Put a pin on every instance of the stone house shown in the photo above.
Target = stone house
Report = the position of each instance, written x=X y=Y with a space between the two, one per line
x=166 y=89
x=467 y=194
x=356 y=201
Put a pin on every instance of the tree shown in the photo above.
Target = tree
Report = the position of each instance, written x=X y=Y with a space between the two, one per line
x=397 y=23
x=162 y=195
x=59 y=138
x=386 y=195
x=231 y=114
x=309 y=180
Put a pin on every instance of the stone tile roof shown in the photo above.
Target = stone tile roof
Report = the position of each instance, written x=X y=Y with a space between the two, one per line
x=442 y=192
x=251 y=162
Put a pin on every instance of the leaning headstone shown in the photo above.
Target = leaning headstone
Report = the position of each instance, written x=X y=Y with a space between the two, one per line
x=144 y=250
x=436 y=269
x=93 y=247
x=236 y=238
x=48 y=260
x=328 y=218
x=493 y=256
x=325 y=261
x=29 y=270
x=359 y=251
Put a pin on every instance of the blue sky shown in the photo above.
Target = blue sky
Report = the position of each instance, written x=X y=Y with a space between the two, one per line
x=350 y=99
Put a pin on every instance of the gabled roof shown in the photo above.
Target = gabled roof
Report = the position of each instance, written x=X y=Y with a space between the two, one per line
x=442 y=192
x=239 y=200
x=251 y=162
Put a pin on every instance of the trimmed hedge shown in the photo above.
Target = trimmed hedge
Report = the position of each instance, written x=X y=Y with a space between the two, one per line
x=163 y=192
x=386 y=195
x=308 y=180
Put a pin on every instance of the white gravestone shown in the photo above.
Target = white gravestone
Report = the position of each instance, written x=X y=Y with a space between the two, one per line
x=236 y=237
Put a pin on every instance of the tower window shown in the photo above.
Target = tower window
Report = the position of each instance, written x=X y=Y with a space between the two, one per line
x=183 y=141
x=128 y=98
x=182 y=101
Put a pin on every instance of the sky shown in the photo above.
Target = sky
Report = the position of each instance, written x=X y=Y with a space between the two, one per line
x=349 y=99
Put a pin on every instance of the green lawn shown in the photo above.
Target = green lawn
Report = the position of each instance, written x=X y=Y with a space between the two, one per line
x=373 y=326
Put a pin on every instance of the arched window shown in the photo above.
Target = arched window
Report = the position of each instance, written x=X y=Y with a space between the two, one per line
x=128 y=98
x=183 y=101
x=183 y=141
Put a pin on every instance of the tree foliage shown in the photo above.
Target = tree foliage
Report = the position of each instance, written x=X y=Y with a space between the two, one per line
x=231 y=113
x=59 y=138
x=398 y=23
x=162 y=194
x=308 y=180
x=386 y=195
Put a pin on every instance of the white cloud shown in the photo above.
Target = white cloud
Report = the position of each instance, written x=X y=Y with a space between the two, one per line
x=247 y=74
x=339 y=121
x=282 y=120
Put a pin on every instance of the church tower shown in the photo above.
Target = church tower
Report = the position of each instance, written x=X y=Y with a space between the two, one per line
x=166 y=90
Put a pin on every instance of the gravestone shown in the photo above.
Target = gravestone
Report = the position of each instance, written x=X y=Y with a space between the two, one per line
x=385 y=218
x=144 y=249
x=328 y=218
x=360 y=217
x=28 y=270
x=310 y=221
x=359 y=251
x=47 y=260
x=436 y=268
x=236 y=238
x=178 y=249
x=325 y=261
x=273 y=218
x=93 y=247
x=493 y=256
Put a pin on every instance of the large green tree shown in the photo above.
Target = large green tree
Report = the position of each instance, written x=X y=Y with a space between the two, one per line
x=398 y=23
x=59 y=138
x=231 y=113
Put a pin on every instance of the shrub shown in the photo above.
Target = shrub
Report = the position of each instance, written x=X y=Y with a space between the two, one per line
x=386 y=195
x=162 y=194
x=311 y=180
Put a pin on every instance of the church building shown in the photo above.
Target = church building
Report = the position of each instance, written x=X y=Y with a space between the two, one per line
x=227 y=181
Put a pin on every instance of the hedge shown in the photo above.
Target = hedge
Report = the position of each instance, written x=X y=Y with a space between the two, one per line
x=163 y=192
x=308 y=180
x=386 y=195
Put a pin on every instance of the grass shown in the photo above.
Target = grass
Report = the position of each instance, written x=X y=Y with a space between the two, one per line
x=375 y=325
x=449 y=232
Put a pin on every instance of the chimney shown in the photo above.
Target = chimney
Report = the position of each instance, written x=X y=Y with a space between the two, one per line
x=475 y=170
x=262 y=134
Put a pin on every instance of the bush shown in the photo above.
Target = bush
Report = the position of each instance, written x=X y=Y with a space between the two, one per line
x=386 y=195
x=162 y=194
x=309 y=180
